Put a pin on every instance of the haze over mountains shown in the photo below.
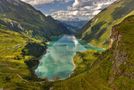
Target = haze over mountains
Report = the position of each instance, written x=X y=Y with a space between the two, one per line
x=72 y=12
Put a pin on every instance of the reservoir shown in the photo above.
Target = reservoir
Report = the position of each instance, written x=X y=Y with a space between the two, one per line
x=57 y=63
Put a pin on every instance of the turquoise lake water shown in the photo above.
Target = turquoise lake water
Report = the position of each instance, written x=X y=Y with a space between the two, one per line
x=57 y=63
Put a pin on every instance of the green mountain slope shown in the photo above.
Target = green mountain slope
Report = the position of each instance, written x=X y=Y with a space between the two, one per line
x=21 y=17
x=98 y=30
x=20 y=51
x=114 y=68
x=14 y=71
x=22 y=30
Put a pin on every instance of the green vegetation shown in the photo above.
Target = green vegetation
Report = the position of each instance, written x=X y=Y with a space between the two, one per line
x=12 y=43
x=23 y=18
x=110 y=70
x=94 y=78
x=98 y=30
x=124 y=79
x=84 y=61
x=23 y=35
x=14 y=72
x=113 y=69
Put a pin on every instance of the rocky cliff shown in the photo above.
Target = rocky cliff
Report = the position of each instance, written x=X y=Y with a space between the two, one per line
x=122 y=73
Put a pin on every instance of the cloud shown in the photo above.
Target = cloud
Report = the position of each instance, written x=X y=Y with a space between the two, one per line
x=76 y=3
x=37 y=2
x=82 y=10
x=70 y=9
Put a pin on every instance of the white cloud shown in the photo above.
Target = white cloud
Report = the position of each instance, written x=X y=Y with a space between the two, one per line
x=82 y=9
x=78 y=9
x=36 y=2
x=76 y=3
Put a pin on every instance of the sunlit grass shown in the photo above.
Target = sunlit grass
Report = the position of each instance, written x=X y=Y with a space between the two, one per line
x=110 y=16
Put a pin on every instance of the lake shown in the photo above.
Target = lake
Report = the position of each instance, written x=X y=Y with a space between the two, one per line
x=57 y=63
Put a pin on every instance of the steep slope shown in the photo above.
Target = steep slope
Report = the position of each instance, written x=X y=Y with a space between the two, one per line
x=21 y=17
x=22 y=29
x=114 y=69
x=14 y=72
x=98 y=30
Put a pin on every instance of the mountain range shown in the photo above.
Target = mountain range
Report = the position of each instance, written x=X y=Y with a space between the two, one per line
x=24 y=32
x=113 y=69
x=23 y=18
x=72 y=10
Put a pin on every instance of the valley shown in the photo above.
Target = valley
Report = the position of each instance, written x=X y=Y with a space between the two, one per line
x=38 y=52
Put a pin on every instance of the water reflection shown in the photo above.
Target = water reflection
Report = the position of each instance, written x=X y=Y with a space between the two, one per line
x=57 y=63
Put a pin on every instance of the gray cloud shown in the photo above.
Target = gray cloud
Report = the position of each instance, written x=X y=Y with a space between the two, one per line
x=78 y=9
x=36 y=2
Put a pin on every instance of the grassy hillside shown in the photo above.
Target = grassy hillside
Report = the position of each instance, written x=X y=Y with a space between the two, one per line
x=113 y=69
x=23 y=32
x=14 y=72
x=98 y=30
x=110 y=70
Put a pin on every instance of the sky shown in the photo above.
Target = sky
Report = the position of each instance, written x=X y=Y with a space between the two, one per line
x=37 y=2
x=70 y=9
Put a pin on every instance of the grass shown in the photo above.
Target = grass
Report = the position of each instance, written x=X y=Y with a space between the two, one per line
x=113 y=69
x=109 y=17
x=14 y=72
x=13 y=43
x=84 y=61
x=125 y=81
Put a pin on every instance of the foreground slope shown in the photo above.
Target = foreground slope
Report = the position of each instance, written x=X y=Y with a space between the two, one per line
x=98 y=30
x=113 y=70
x=22 y=29
x=21 y=17
x=14 y=72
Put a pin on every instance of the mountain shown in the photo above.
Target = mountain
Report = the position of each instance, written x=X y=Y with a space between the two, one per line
x=48 y=8
x=21 y=17
x=23 y=30
x=16 y=52
x=112 y=70
x=72 y=10
x=75 y=26
x=97 y=30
